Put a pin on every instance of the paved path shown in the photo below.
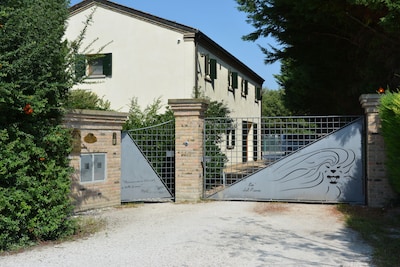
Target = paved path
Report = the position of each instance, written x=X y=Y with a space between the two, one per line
x=210 y=234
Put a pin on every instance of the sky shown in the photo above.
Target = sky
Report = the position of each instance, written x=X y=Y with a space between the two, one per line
x=221 y=21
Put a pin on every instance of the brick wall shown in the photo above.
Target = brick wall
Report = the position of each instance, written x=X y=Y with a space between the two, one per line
x=379 y=192
x=93 y=132
x=189 y=124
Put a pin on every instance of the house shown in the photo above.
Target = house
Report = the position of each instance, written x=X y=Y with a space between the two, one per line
x=129 y=53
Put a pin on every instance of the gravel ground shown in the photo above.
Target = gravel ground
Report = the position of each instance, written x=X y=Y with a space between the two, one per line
x=209 y=234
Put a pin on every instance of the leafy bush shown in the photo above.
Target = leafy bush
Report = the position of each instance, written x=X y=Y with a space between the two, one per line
x=150 y=116
x=389 y=111
x=83 y=99
x=217 y=121
x=34 y=168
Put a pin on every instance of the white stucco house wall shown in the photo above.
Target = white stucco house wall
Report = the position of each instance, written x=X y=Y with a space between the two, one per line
x=149 y=57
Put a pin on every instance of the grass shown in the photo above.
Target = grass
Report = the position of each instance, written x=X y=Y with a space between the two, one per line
x=85 y=226
x=380 y=228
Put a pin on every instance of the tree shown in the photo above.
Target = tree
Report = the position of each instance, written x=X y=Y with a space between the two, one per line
x=332 y=51
x=34 y=167
x=273 y=104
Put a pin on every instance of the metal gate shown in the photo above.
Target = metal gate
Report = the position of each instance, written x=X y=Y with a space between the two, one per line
x=148 y=163
x=294 y=159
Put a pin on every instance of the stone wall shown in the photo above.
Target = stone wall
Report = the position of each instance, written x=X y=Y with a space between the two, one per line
x=96 y=133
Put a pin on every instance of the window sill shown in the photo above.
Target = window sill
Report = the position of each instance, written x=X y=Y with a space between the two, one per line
x=96 y=77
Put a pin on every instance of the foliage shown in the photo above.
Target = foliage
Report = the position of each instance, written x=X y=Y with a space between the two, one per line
x=83 y=99
x=273 y=104
x=216 y=124
x=331 y=51
x=34 y=168
x=389 y=112
x=155 y=150
x=379 y=228
x=150 y=116
x=154 y=134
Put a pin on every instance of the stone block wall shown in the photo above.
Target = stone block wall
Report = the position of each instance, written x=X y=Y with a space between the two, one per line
x=94 y=133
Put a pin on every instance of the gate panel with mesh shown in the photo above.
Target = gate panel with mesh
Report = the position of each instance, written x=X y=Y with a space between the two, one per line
x=148 y=163
x=236 y=149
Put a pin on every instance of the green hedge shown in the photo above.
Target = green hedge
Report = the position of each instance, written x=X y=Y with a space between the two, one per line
x=389 y=112
x=34 y=147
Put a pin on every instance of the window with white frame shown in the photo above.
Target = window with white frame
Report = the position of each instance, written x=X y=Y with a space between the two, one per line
x=93 y=167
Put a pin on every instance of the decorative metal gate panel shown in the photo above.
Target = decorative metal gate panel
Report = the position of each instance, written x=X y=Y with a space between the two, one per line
x=148 y=164
x=302 y=159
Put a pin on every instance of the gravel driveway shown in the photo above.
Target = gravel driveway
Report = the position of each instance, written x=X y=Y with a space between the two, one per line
x=209 y=234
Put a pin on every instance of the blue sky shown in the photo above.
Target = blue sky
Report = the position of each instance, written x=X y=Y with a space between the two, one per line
x=218 y=19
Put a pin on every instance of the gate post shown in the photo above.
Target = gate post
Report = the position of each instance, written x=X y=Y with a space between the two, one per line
x=378 y=189
x=189 y=125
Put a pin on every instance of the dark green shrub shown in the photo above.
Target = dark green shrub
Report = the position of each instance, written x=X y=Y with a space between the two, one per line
x=217 y=121
x=389 y=112
x=34 y=147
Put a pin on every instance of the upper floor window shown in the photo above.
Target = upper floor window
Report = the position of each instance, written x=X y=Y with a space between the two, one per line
x=94 y=66
x=258 y=94
x=210 y=68
x=232 y=80
x=245 y=87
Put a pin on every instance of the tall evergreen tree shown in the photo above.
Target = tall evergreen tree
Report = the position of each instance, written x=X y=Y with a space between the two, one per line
x=332 y=51
x=34 y=169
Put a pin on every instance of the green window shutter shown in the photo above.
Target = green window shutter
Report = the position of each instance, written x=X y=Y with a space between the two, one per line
x=258 y=93
x=80 y=66
x=234 y=80
x=213 y=68
x=246 y=87
x=107 y=64
x=207 y=65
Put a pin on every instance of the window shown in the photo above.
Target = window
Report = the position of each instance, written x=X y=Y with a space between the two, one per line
x=93 y=167
x=258 y=94
x=232 y=80
x=95 y=66
x=210 y=68
x=255 y=142
x=230 y=138
x=245 y=87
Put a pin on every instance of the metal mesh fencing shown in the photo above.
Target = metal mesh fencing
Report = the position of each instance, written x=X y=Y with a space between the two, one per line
x=238 y=147
x=157 y=144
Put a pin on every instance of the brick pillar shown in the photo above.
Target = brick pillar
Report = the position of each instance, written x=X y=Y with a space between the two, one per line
x=189 y=125
x=379 y=191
